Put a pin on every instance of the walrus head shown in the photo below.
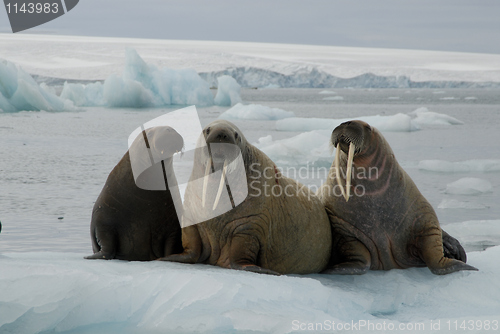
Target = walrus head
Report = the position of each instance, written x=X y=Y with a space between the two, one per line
x=225 y=143
x=164 y=141
x=351 y=137
x=150 y=150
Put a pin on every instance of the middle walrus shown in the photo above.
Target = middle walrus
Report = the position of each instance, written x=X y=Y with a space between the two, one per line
x=280 y=226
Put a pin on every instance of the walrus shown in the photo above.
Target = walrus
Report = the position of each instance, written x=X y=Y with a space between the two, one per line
x=129 y=220
x=380 y=221
x=280 y=226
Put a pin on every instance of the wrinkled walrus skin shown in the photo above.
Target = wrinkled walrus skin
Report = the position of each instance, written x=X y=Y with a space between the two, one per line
x=386 y=222
x=130 y=223
x=273 y=234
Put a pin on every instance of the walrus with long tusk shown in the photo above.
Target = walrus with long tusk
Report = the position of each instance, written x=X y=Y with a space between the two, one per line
x=380 y=221
x=134 y=217
x=265 y=223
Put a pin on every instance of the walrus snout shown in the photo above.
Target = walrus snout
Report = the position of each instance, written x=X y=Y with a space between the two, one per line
x=348 y=137
x=350 y=132
x=223 y=142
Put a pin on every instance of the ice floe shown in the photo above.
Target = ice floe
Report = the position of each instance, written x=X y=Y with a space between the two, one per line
x=451 y=203
x=415 y=120
x=398 y=122
x=61 y=292
x=477 y=165
x=255 y=112
x=423 y=117
x=469 y=186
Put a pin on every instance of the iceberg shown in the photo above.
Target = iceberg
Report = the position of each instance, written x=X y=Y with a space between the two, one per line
x=228 y=91
x=443 y=166
x=19 y=91
x=398 y=123
x=63 y=293
x=142 y=85
x=469 y=186
x=89 y=95
x=255 y=112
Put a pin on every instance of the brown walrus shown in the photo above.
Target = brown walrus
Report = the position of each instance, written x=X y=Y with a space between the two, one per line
x=380 y=221
x=279 y=227
x=136 y=223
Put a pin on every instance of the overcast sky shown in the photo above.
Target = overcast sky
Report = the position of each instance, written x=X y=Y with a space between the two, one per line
x=449 y=25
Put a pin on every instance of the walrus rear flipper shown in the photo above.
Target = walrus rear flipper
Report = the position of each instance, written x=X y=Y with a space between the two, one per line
x=431 y=250
x=452 y=248
x=255 y=269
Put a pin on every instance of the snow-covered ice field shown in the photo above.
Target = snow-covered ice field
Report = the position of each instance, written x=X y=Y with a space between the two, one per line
x=53 y=166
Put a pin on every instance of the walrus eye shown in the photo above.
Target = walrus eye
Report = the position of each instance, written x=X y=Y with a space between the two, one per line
x=207 y=131
x=236 y=135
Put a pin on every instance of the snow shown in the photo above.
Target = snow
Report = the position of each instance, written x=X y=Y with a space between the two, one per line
x=475 y=165
x=469 y=186
x=304 y=148
x=19 y=91
x=142 y=85
x=255 y=112
x=228 y=91
x=327 y=92
x=399 y=122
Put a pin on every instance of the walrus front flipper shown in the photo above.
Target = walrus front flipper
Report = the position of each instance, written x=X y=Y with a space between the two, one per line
x=357 y=259
x=100 y=256
x=452 y=248
x=244 y=252
x=431 y=251
x=191 y=241
x=105 y=248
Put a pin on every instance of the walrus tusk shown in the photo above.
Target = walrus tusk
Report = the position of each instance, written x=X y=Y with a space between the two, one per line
x=205 y=182
x=221 y=185
x=350 y=157
x=337 y=170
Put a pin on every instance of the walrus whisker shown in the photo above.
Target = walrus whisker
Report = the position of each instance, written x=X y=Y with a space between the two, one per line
x=221 y=185
x=337 y=169
x=205 y=182
x=350 y=158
